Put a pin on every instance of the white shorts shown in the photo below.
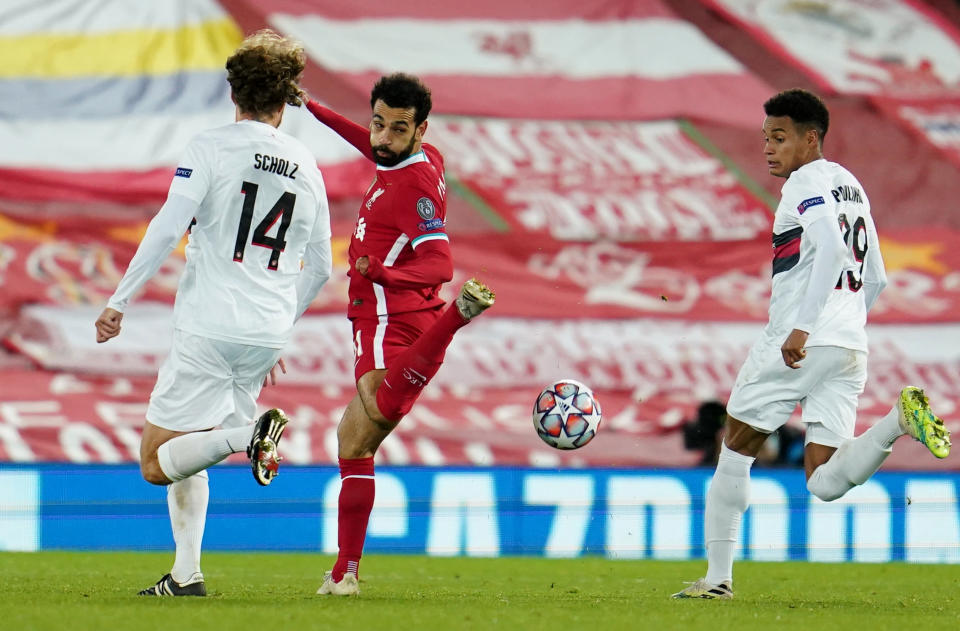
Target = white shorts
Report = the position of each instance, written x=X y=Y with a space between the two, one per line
x=827 y=386
x=204 y=383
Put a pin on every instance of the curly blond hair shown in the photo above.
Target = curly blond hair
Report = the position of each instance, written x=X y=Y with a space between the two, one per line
x=264 y=72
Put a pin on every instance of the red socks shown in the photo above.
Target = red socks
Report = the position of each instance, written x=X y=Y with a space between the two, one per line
x=414 y=368
x=404 y=382
x=356 y=502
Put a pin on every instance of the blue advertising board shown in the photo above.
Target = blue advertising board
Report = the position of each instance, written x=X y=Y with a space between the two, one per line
x=617 y=513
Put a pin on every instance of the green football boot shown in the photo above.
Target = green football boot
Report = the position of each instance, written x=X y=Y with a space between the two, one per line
x=917 y=420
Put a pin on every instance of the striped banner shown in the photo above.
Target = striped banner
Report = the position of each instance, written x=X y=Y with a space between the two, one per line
x=649 y=375
x=98 y=98
x=892 y=48
x=937 y=123
x=593 y=59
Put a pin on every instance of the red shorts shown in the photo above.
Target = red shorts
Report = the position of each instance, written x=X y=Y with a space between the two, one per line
x=377 y=341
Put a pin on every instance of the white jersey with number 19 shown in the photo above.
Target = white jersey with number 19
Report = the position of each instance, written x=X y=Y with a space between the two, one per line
x=816 y=190
x=262 y=201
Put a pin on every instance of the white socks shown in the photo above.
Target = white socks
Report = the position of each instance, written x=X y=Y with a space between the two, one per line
x=183 y=456
x=856 y=459
x=187 y=503
x=727 y=500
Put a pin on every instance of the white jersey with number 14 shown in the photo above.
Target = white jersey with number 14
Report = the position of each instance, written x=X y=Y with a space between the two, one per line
x=262 y=200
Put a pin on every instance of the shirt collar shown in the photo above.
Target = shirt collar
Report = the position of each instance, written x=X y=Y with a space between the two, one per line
x=419 y=156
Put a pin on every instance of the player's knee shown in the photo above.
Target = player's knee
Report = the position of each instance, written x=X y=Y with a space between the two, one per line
x=356 y=437
x=152 y=473
x=371 y=409
x=825 y=489
x=390 y=409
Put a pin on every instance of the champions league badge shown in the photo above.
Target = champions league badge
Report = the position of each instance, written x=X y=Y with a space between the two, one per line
x=425 y=208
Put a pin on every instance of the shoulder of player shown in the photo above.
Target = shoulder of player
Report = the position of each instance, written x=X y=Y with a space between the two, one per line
x=807 y=183
x=210 y=137
x=412 y=190
x=421 y=178
x=433 y=154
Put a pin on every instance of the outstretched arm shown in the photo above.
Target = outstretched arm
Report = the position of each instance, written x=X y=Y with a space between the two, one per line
x=356 y=135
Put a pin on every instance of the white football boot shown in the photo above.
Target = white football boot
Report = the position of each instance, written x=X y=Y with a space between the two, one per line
x=348 y=585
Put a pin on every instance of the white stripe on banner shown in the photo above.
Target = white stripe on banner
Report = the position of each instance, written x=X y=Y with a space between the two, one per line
x=142 y=142
x=88 y=17
x=888 y=47
x=655 y=48
x=129 y=142
x=621 y=352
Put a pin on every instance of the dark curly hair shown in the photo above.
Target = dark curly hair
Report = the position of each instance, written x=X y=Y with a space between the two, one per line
x=403 y=91
x=805 y=108
x=264 y=72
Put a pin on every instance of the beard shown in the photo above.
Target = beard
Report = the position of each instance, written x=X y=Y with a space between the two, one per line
x=392 y=158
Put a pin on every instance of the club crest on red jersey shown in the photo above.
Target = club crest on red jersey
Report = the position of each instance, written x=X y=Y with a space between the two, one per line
x=377 y=193
x=425 y=208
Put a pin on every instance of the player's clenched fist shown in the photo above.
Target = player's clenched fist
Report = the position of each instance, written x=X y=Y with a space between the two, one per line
x=362 y=265
x=108 y=325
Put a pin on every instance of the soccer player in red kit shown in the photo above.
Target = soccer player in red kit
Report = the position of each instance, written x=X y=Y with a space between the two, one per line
x=399 y=257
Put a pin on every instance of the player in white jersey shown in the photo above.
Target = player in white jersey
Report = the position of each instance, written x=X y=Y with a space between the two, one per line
x=827 y=274
x=256 y=208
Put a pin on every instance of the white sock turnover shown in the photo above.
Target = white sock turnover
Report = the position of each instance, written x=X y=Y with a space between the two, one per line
x=183 y=456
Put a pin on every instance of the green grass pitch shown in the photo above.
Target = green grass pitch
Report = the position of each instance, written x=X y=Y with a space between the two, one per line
x=74 y=591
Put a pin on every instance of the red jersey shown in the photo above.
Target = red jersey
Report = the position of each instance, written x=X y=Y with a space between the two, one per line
x=404 y=207
x=400 y=228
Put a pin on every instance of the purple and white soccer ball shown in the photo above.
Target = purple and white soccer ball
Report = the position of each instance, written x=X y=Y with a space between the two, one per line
x=566 y=414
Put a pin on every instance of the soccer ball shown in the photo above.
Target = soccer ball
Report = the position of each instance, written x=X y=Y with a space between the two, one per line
x=566 y=415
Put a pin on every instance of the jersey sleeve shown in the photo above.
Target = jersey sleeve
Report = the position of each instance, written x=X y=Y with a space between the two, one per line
x=317 y=264
x=356 y=135
x=321 y=225
x=806 y=202
x=874 y=274
x=193 y=175
x=432 y=266
x=828 y=253
x=162 y=236
x=420 y=215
